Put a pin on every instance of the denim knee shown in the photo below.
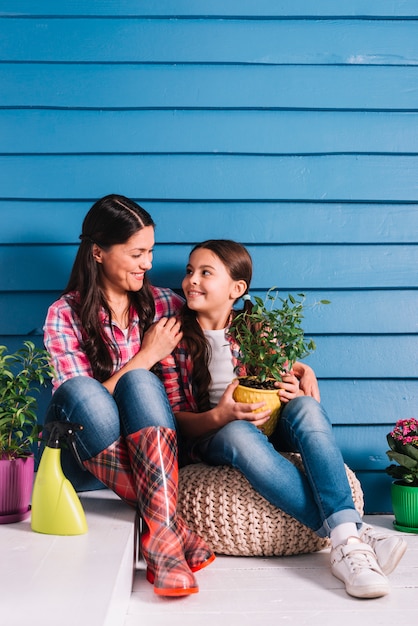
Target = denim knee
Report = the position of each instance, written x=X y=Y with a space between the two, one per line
x=83 y=400
x=306 y=408
x=136 y=379
x=231 y=443
x=142 y=402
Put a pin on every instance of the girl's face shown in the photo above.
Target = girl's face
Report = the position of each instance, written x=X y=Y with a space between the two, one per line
x=209 y=289
x=123 y=266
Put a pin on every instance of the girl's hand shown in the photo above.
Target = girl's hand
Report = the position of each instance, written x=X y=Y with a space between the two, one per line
x=289 y=388
x=160 y=340
x=229 y=410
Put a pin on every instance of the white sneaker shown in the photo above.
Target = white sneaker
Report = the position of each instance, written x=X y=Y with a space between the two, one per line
x=389 y=549
x=356 y=566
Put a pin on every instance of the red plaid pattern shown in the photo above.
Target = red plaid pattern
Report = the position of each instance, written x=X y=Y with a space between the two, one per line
x=153 y=453
x=113 y=468
x=64 y=335
x=176 y=373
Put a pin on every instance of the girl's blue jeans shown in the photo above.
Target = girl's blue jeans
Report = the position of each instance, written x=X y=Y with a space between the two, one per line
x=322 y=498
x=139 y=400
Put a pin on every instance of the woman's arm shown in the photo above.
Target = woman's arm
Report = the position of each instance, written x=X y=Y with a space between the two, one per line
x=308 y=382
x=63 y=339
x=159 y=340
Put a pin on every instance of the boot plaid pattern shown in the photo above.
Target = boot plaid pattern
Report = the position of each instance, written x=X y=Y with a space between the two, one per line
x=113 y=468
x=196 y=550
x=153 y=454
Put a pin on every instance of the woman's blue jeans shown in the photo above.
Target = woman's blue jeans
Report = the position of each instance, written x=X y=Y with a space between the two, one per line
x=322 y=498
x=139 y=400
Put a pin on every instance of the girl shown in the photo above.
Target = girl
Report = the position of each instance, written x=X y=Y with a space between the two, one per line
x=105 y=333
x=217 y=430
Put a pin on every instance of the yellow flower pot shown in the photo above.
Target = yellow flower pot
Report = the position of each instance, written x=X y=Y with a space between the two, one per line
x=271 y=399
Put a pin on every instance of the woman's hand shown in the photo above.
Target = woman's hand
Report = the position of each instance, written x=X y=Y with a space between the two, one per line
x=159 y=341
x=289 y=387
x=308 y=382
x=229 y=410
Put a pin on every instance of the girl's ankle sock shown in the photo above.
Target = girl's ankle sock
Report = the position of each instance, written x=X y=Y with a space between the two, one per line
x=342 y=532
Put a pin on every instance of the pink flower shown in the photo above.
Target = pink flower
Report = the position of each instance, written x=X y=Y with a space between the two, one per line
x=406 y=431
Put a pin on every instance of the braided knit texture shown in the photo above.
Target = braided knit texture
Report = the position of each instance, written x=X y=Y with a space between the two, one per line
x=220 y=505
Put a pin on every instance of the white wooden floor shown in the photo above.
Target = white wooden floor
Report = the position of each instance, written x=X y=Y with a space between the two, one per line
x=284 y=590
x=87 y=580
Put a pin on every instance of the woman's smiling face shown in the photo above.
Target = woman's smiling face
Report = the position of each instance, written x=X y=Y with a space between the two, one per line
x=123 y=266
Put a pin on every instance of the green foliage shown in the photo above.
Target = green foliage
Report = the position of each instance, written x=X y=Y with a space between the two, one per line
x=271 y=337
x=21 y=375
x=403 y=444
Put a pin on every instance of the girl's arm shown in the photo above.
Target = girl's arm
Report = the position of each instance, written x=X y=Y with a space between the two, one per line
x=176 y=375
x=194 y=424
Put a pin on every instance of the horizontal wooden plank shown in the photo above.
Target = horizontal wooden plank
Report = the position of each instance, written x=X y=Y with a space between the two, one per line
x=363 y=352
x=212 y=8
x=364 y=447
x=223 y=177
x=208 y=86
x=293 y=268
x=24 y=313
x=350 y=312
x=365 y=356
x=127 y=40
x=239 y=132
x=315 y=267
x=354 y=406
x=358 y=312
x=377 y=403
x=376 y=489
x=259 y=223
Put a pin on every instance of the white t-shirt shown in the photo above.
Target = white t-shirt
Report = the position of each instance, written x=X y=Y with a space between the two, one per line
x=221 y=367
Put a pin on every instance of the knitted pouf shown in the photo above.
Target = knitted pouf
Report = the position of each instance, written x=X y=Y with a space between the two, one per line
x=220 y=505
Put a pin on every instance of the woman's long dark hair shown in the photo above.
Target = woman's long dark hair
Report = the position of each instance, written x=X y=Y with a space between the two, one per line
x=238 y=263
x=111 y=220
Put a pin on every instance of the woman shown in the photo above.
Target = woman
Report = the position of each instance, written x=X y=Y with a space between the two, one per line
x=104 y=335
x=199 y=383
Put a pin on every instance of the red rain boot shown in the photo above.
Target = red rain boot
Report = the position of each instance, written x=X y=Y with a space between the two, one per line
x=153 y=454
x=112 y=467
x=196 y=550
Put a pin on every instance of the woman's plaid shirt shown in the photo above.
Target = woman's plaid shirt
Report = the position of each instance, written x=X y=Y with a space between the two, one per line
x=63 y=335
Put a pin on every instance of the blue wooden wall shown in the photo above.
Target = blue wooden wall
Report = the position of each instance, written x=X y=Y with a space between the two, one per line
x=291 y=126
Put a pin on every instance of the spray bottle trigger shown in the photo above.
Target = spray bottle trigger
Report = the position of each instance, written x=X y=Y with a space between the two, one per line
x=64 y=431
x=71 y=443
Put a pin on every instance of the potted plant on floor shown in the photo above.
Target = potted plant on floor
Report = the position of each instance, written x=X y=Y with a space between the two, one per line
x=271 y=339
x=21 y=374
x=403 y=444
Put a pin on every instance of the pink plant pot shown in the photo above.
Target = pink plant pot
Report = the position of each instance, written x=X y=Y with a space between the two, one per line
x=16 y=483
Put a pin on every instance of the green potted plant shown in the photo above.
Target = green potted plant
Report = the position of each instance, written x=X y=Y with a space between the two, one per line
x=271 y=338
x=403 y=444
x=21 y=375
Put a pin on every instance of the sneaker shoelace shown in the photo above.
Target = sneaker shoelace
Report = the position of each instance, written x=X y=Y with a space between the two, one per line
x=374 y=537
x=358 y=560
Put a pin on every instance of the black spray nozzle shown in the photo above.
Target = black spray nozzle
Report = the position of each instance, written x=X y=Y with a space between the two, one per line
x=64 y=431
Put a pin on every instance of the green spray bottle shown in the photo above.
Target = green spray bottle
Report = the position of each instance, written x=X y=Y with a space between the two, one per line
x=56 y=507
